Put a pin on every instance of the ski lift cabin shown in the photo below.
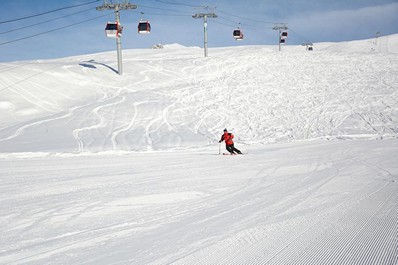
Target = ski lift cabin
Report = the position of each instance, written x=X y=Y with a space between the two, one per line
x=144 y=27
x=283 y=37
x=238 y=34
x=113 y=30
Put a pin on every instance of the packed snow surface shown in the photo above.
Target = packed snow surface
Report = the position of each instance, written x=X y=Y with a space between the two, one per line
x=98 y=168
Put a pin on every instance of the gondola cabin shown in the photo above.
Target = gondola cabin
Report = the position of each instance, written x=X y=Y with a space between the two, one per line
x=113 y=30
x=284 y=34
x=144 y=27
x=238 y=34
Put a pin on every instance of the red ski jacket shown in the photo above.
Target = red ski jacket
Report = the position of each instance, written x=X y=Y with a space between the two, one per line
x=227 y=137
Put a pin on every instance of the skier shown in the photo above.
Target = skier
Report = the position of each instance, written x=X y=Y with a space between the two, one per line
x=229 y=143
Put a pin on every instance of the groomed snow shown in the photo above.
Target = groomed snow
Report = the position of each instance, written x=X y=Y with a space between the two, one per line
x=98 y=168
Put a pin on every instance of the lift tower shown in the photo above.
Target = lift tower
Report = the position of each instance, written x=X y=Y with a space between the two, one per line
x=205 y=16
x=280 y=27
x=117 y=7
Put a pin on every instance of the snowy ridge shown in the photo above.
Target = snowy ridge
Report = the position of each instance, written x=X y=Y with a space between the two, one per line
x=384 y=44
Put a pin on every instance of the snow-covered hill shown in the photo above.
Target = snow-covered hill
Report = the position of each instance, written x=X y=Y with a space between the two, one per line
x=98 y=168
x=384 y=44
x=174 y=97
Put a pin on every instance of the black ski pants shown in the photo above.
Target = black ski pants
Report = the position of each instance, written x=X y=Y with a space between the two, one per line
x=231 y=148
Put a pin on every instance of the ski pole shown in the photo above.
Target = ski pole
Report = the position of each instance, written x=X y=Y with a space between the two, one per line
x=219 y=148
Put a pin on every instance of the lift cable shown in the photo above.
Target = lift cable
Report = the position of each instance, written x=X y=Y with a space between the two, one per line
x=301 y=37
x=48 y=12
x=174 y=3
x=56 y=29
x=240 y=23
x=245 y=18
x=164 y=9
x=161 y=14
x=44 y=22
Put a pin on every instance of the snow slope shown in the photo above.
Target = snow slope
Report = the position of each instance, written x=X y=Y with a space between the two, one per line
x=174 y=97
x=98 y=168
x=289 y=203
x=384 y=44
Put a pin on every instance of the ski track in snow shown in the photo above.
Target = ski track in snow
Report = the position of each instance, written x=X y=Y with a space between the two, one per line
x=337 y=236
x=281 y=204
x=180 y=101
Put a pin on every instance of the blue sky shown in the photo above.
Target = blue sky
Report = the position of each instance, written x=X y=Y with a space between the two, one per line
x=172 y=22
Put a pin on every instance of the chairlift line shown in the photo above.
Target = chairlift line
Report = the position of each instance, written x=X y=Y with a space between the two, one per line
x=47 y=12
x=52 y=30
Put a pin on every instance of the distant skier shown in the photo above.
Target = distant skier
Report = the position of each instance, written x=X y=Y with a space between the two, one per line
x=229 y=143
